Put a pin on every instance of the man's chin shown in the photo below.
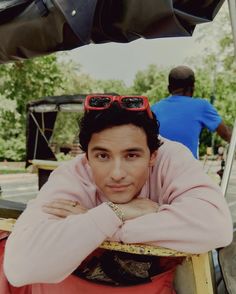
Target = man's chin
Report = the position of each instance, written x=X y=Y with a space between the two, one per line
x=119 y=199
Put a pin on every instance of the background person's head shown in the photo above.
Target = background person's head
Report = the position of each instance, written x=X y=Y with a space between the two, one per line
x=120 y=145
x=181 y=81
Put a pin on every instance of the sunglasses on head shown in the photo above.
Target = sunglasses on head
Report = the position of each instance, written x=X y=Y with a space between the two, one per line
x=130 y=103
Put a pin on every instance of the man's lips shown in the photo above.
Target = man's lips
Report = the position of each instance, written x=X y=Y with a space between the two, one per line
x=118 y=187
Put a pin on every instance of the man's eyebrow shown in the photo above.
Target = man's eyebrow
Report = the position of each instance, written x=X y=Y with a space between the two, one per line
x=136 y=149
x=99 y=148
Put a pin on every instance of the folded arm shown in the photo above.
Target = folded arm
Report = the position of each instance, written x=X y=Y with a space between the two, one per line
x=193 y=215
x=46 y=249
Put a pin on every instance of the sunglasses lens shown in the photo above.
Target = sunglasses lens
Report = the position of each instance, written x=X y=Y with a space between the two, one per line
x=99 y=101
x=132 y=102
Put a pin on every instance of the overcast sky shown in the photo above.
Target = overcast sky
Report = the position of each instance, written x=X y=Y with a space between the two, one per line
x=122 y=61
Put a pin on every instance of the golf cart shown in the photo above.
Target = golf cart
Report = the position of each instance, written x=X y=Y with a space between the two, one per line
x=42 y=118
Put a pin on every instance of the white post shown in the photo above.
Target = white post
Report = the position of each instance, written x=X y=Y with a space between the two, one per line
x=229 y=161
x=232 y=12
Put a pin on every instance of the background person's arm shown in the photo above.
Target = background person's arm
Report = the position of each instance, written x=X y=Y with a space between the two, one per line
x=224 y=131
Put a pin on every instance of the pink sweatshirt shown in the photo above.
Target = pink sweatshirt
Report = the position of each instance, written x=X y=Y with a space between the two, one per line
x=193 y=217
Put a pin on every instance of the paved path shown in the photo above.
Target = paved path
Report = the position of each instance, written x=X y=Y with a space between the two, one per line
x=211 y=168
x=19 y=187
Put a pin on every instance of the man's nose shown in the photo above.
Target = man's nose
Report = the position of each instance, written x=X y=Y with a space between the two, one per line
x=118 y=172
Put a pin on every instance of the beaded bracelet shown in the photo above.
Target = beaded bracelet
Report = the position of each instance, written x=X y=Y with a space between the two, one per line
x=117 y=210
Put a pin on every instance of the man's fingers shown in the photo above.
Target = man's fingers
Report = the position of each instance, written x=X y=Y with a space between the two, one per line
x=56 y=211
x=66 y=201
x=68 y=205
x=63 y=208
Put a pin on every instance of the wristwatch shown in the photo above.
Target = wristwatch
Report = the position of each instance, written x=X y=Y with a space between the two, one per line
x=118 y=211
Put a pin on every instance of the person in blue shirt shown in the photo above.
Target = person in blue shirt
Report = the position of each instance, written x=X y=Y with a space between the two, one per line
x=182 y=117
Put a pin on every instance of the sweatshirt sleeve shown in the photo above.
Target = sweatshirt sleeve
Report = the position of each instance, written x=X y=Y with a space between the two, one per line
x=193 y=215
x=47 y=249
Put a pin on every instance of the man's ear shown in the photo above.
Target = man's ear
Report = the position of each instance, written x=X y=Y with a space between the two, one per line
x=153 y=158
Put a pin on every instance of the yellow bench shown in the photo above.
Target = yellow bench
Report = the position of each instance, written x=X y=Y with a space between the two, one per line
x=193 y=276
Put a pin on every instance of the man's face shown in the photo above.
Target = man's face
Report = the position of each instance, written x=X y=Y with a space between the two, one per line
x=120 y=159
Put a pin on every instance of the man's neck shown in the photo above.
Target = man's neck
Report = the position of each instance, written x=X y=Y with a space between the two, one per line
x=181 y=93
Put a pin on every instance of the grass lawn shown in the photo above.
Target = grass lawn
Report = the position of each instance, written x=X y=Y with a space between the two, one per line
x=12 y=171
x=12 y=168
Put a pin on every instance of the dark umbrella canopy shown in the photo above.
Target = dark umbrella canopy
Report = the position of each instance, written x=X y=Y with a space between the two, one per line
x=30 y=28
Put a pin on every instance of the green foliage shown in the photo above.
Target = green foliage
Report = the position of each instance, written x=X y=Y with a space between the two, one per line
x=75 y=82
x=79 y=83
x=21 y=82
x=13 y=149
x=63 y=157
x=29 y=80
x=111 y=86
x=152 y=83
x=66 y=128
x=12 y=142
x=218 y=67
x=219 y=63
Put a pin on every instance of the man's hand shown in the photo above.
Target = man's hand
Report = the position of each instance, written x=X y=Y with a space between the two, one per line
x=138 y=207
x=224 y=132
x=63 y=208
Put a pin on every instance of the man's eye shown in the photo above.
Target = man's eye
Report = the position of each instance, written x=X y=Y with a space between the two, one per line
x=132 y=156
x=102 y=156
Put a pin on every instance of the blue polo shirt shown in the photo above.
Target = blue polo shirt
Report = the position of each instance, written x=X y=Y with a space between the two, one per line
x=182 y=119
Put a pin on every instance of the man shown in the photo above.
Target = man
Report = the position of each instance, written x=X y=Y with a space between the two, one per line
x=182 y=117
x=128 y=186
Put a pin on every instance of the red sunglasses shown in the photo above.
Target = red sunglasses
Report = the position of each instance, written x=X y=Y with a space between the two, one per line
x=130 y=103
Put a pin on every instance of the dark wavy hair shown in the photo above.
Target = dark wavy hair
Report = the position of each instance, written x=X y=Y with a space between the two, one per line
x=97 y=121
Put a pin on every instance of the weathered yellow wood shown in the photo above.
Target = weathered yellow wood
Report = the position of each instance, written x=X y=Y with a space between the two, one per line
x=142 y=249
x=202 y=274
x=199 y=263
x=7 y=224
x=45 y=164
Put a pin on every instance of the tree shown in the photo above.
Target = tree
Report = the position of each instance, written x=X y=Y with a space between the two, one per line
x=21 y=82
x=28 y=80
x=219 y=64
x=66 y=127
x=151 y=82
x=12 y=146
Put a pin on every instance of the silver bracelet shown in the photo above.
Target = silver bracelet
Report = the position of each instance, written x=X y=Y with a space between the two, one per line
x=117 y=210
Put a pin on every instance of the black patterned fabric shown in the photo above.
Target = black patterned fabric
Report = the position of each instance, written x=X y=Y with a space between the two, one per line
x=30 y=28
